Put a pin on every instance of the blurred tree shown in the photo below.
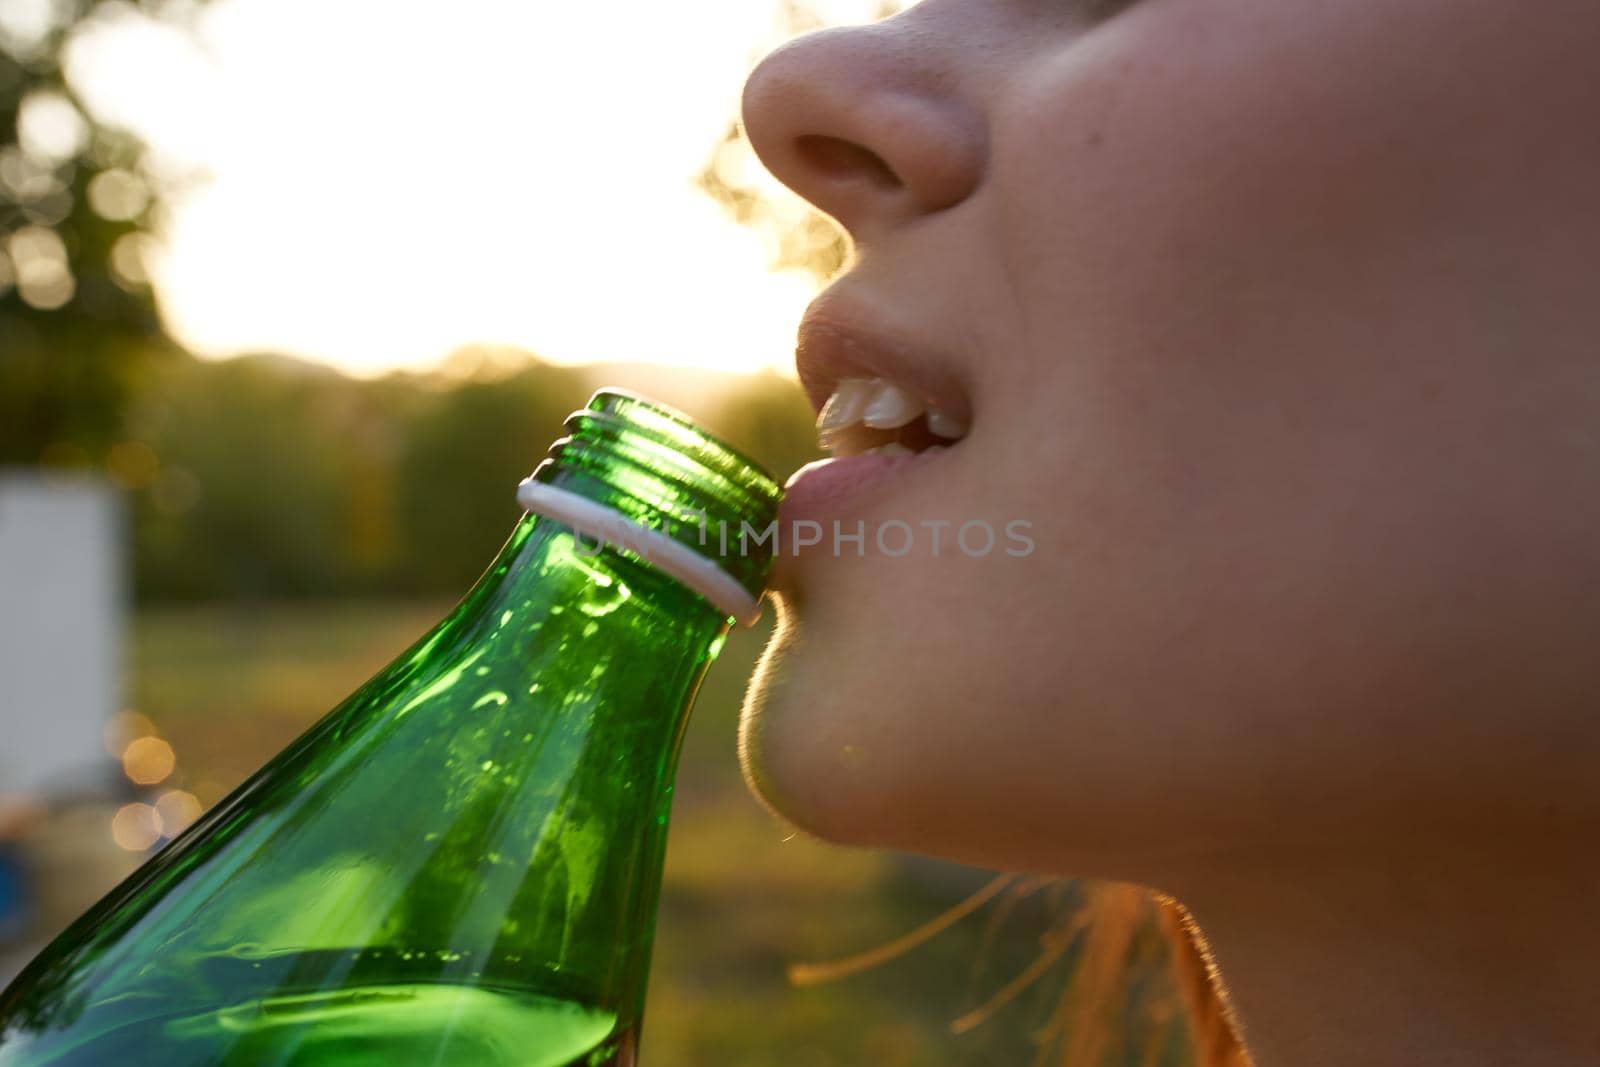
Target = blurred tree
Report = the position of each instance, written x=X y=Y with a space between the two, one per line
x=78 y=325
x=464 y=453
x=267 y=477
x=247 y=485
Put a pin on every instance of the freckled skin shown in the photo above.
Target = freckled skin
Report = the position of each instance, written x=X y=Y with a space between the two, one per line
x=1278 y=319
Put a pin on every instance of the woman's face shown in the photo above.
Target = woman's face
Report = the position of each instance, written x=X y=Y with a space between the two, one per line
x=1277 y=321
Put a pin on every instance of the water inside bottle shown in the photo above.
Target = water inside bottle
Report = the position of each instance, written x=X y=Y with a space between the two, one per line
x=369 y=1024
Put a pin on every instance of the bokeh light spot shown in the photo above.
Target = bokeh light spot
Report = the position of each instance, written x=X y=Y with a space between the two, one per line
x=118 y=194
x=129 y=255
x=148 y=760
x=178 y=809
x=49 y=128
x=136 y=827
x=39 y=258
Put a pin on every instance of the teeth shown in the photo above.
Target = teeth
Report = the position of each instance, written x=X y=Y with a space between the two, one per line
x=891 y=408
x=844 y=408
x=941 y=424
x=866 y=415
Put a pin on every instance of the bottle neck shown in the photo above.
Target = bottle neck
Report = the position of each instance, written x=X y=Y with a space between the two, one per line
x=548 y=586
x=586 y=665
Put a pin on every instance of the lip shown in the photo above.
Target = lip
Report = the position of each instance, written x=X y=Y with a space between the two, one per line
x=839 y=337
x=834 y=495
x=831 y=488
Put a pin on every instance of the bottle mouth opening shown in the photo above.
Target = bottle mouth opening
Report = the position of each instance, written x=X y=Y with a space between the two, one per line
x=644 y=479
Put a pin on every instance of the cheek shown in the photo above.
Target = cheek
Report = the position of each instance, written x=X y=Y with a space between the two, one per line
x=1308 y=529
x=1186 y=150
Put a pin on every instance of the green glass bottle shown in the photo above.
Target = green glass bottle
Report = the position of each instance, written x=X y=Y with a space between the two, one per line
x=458 y=866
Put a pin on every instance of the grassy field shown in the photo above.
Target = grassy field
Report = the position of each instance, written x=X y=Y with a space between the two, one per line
x=744 y=895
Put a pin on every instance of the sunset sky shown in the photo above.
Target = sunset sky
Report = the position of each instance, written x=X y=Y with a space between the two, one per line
x=390 y=181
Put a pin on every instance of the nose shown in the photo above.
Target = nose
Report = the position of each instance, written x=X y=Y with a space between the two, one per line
x=868 y=123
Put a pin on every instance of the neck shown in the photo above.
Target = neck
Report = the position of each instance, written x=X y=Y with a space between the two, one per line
x=1436 y=957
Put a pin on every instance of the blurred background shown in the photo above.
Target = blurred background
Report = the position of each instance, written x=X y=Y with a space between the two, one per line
x=292 y=294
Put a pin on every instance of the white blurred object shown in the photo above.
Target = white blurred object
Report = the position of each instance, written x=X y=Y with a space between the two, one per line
x=60 y=632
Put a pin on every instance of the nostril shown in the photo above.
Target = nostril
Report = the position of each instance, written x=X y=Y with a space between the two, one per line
x=838 y=158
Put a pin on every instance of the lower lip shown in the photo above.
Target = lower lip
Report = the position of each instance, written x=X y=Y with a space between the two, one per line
x=833 y=487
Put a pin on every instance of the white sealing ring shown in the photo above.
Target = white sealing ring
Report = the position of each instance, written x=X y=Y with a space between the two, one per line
x=614 y=528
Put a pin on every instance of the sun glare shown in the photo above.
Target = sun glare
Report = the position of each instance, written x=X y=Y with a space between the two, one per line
x=380 y=184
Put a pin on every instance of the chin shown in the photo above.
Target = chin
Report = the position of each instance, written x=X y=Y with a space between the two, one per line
x=930 y=740
x=812 y=746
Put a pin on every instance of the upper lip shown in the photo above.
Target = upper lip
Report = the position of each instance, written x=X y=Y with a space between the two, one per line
x=838 y=339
